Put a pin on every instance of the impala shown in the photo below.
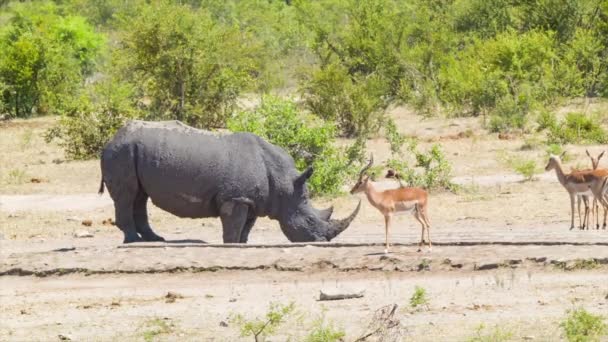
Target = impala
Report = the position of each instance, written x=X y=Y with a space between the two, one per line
x=595 y=161
x=395 y=201
x=591 y=182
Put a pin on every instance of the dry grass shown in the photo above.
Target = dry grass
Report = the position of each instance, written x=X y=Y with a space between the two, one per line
x=29 y=165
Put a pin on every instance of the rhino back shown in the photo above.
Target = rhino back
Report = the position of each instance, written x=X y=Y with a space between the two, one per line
x=190 y=172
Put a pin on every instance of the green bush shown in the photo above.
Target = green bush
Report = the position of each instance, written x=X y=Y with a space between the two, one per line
x=546 y=120
x=84 y=131
x=44 y=59
x=260 y=328
x=419 y=297
x=497 y=334
x=435 y=173
x=582 y=326
x=191 y=68
x=523 y=166
x=322 y=331
x=577 y=128
x=357 y=104
x=306 y=138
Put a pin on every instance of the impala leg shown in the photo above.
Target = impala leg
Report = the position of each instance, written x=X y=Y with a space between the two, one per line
x=578 y=204
x=586 y=203
x=571 y=211
x=425 y=217
x=604 y=203
x=387 y=223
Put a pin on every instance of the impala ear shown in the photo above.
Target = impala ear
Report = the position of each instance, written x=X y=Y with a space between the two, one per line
x=561 y=156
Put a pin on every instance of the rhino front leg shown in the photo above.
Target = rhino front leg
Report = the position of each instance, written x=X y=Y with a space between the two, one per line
x=233 y=216
x=140 y=213
x=246 y=229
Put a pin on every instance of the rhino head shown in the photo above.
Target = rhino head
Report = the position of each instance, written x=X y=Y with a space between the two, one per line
x=301 y=222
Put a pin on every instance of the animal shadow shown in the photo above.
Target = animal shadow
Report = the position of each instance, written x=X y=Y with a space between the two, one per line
x=186 y=241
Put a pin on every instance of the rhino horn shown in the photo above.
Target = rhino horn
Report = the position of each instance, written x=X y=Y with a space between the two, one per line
x=325 y=214
x=338 y=226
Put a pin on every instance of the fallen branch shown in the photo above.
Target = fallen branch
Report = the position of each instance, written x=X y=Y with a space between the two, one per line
x=340 y=296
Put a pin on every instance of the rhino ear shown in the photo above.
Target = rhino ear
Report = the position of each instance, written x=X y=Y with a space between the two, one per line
x=304 y=176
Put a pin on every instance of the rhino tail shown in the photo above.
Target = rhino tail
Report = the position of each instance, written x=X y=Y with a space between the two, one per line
x=101 y=187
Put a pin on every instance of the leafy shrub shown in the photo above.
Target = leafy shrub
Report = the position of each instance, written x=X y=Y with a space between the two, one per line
x=322 y=331
x=521 y=165
x=495 y=335
x=191 y=68
x=578 y=128
x=581 y=325
x=356 y=104
x=419 y=297
x=546 y=120
x=44 y=58
x=395 y=139
x=306 y=138
x=436 y=169
x=260 y=328
x=84 y=131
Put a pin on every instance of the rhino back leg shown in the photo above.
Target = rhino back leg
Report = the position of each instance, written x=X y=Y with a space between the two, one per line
x=247 y=229
x=123 y=206
x=140 y=213
x=234 y=217
x=119 y=175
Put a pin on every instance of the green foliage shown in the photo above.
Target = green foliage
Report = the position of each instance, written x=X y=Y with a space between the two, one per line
x=419 y=297
x=191 y=67
x=395 y=139
x=495 y=335
x=322 y=331
x=156 y=327
x=430 y=169
x=308 y=139
x=577 y=128
x=523 y=166
x=580 y=325
x=16 y=177
x=44 y=58
x=260 y=328
x=557 y=150
x=546 y=120
x=84 y=131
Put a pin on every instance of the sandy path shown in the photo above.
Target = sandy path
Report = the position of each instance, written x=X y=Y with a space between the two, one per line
x=87 y=202
x=526 y=302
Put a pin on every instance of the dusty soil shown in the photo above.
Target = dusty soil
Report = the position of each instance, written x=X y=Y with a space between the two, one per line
x=504 y=263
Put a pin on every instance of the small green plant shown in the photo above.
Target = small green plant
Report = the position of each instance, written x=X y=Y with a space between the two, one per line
x=395 y=139
x=323 y=331
x=495 y=335
x=557 y=150
x=578 y=128
x=521 y=165
x=16 y=177
x=419 y=298
x=582 y=326
x=260 y=328
x=531 y=143
x=156 y=327
x=26 y=139
x=546 y=120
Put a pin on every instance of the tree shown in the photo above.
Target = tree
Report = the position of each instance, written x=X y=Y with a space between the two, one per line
x=44 y=59
x=190 y=67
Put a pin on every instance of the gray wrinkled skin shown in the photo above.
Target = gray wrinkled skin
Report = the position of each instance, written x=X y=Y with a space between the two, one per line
x=194 y=173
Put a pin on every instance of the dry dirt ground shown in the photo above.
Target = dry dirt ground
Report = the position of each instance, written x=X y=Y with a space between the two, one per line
x=504 y=265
